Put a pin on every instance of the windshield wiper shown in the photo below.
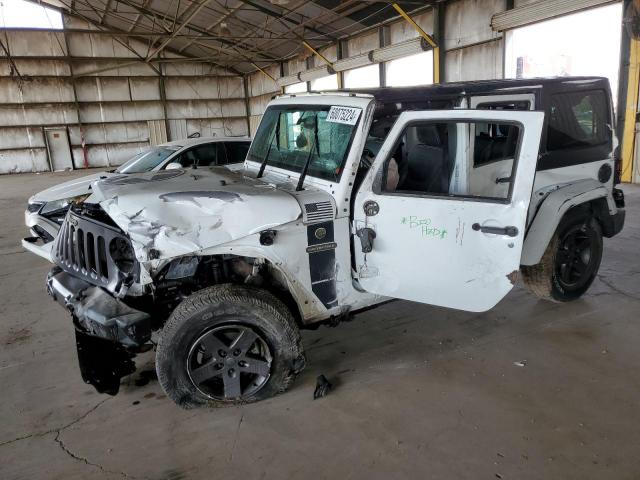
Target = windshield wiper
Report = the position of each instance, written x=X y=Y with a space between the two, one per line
x=276 y=133
x=307 y=162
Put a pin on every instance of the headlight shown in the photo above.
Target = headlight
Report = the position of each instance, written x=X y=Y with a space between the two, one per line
x=63 y=204
x=33 y=207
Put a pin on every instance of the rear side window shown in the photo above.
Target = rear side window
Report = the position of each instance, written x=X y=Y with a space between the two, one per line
x=497 y=142
x=206 y=154
x=494 y=142
x=202 y=156
x=236 y=151
x=578 y=120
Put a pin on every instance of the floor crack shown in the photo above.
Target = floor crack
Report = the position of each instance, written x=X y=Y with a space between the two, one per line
x=66 y=450
x=24 y=437
x=54 y=430
x=84 y=460
x=604 y=280
x=58 y=431
x=235 y=438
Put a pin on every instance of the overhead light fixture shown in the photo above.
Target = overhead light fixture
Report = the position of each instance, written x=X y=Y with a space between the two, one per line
x=288 y=80
x=353 y=62
x=399 y=50
x=537 y=11
x=384 y=54
x=224 y=30
x=315 y=73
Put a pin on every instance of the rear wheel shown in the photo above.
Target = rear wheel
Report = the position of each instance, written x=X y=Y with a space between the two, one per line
x=228 y=344
x=570 y=262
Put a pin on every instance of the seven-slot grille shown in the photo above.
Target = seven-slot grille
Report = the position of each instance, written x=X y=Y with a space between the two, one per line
x=318 y=212
x=82 y=249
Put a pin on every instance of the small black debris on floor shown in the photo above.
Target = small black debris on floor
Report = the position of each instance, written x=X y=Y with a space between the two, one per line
x=323 y=387
x=145 y=377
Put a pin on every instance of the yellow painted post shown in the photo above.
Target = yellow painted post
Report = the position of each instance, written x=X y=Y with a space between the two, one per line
x=628 y=136
x=324 y=59
x=427 y=37
x=263 y=71
x=315 y=52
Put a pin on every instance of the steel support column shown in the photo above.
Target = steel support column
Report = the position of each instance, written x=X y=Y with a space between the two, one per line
x=628 y=91
x=427 y=37
x=247 y=104
x=85 y=155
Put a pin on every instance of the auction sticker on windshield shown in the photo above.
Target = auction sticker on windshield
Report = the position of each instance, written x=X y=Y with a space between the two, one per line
x=346 y=115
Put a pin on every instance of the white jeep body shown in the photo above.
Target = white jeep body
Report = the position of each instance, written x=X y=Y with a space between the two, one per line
x=181 y=213
x=331 y=238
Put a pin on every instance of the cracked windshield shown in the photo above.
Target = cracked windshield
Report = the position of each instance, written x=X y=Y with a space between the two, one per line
x=289 y=137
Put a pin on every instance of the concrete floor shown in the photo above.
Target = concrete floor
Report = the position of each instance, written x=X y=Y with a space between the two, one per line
x=421 y=392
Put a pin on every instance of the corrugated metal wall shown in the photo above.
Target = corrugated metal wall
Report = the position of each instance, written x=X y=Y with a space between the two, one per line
x=473 y=50
x=116 y=106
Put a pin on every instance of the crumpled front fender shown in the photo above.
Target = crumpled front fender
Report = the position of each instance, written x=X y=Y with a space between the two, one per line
x=174 y=213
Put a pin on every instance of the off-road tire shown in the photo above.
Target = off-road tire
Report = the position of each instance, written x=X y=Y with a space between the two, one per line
x=542 y=279
x=216 y=306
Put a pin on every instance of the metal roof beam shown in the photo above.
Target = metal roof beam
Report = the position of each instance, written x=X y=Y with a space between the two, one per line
x=284 y=18
x=107 y=7
x=215 y=24
x=120 y=33
x=194 y=28
x=184 y=20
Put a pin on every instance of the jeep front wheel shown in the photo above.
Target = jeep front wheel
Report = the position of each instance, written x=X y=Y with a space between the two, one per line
x=228 y=344
x=571 y=261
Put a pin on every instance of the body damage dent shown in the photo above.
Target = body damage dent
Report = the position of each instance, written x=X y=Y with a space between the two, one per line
x=183 y=217
x=309 y=310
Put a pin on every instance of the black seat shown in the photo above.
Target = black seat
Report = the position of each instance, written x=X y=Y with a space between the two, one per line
x=428 y=163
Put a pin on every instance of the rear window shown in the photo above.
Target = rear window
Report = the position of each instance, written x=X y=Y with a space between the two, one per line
x=578 y=120
x=236 y=151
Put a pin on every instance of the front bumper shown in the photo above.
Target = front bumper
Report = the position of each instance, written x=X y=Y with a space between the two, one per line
x=37 y=246
x=43 y=234
x=97 y=313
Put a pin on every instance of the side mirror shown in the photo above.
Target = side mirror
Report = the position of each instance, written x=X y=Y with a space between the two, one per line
x=173 y=166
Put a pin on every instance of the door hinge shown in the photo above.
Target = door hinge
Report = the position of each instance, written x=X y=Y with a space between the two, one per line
x=367 y=271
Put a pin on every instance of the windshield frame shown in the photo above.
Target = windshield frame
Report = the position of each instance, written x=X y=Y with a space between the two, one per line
x=173 y=149
x=308 y=107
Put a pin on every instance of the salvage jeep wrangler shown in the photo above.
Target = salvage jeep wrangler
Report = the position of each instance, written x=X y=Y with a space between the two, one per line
x=438 y=195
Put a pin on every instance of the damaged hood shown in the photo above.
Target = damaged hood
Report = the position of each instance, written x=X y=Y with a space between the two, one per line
x=72 y=188
x=179 y=212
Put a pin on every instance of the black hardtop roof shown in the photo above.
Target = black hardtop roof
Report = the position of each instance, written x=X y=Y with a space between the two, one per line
x=502 y=86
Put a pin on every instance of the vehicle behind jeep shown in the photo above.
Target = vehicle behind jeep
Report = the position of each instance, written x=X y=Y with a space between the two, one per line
x=438 y=195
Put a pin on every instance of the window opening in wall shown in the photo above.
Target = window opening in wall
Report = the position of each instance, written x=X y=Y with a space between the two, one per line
x=412 y=70
x=20 y=13
x=363 y=77
x=296 y=88
x=566 y=46
x=325 y=83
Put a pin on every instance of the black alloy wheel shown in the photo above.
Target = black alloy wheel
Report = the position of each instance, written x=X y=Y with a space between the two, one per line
x=571 y=260
x=575 y=262
x=228 y=345
x=229 y=362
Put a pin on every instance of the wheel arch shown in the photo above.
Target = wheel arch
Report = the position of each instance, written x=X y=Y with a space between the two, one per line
x=279 y=282
x=586 y=193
